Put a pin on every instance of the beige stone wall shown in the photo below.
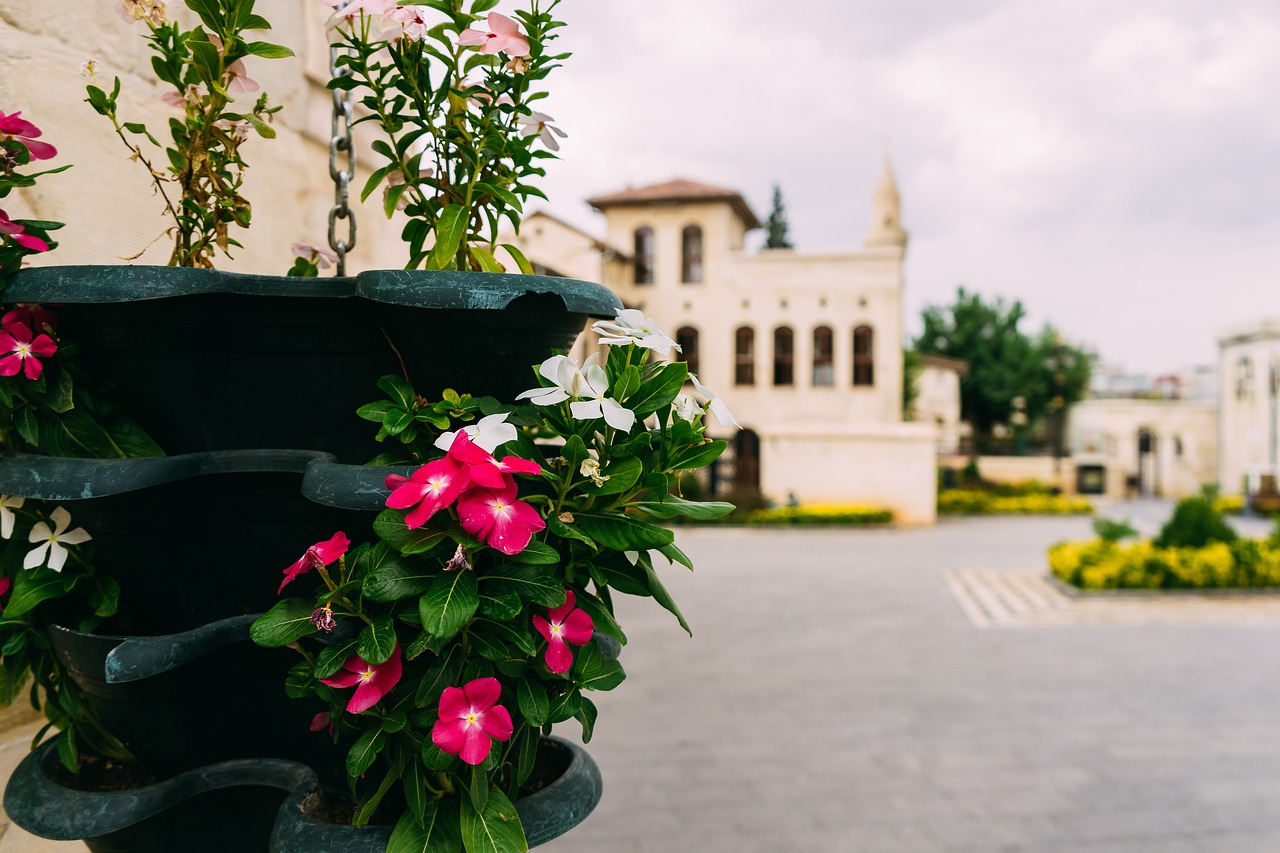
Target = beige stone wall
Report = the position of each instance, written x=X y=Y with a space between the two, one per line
x=938 y=403
x=107 y=201
x=1020 y=469
x=1249 y=409
x=1185 y=433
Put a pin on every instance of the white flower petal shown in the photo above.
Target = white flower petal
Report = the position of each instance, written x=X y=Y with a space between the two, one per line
x=585 y=410
x=35 y=557
x=616 y=416
x=75 y=537
x=57 y=556
x=40 y=533
x=61 y=520
x=445 y=441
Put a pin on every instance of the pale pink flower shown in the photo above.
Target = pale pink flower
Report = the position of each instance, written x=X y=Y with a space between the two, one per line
x=470 y=719
x=20 y=235
x=181 y=100
x=53 y=542
x=411 y=22
x=564 y=625
x=20 y=351
x=539 y=124
x=88 y=68
x=317 y=255
x=497 y=517
x=151 y=11
x=319 y=554
x=238 y=128
x=18 y=129
x=371 y=681
x=504 y=36
x=371 y=8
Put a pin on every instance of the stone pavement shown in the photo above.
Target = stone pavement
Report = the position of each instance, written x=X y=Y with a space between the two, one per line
x=835 y=698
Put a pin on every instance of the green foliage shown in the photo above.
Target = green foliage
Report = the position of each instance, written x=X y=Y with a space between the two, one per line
x=462 y=139
x=912 y=367
x=1004 y=362
x=1196 y=522
x=776 y=226
x=201 y=66
x=459 y=607
x=1111 y=530
x=820 y=514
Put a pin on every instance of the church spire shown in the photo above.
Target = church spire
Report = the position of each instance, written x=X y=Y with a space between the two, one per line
x=886 y=212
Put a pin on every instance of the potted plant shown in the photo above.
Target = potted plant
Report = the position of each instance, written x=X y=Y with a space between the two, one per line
x=481 y=612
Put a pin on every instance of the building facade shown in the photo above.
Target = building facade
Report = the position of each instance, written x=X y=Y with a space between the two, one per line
x=805 y=349
x=1248 y=381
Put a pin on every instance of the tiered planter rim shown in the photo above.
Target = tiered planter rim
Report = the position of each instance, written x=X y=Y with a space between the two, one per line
x=447 y=289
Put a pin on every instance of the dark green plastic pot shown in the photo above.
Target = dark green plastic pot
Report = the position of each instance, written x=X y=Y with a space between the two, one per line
x=208 y=360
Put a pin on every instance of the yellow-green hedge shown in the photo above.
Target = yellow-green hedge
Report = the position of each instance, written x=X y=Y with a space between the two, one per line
x=1245 y=563
x=1229 y=504
x=822 y=514
x=975 y=502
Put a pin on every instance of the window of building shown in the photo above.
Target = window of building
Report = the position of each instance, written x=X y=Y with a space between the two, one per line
x=644 y=255
x=824 y=355
x=744 y=356
x=863 y=357
x=691 y=254
x=783 y=356
x=687 y=338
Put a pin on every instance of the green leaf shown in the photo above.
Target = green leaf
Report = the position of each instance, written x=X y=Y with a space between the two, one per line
x=398 y=389
x=478 y=789
x=376 y=411
x=565 y=706
x=675 y=555
x=531 y=583
x=486 y=261
x=330 y=660
x=415 y=792
x=623 y=533
x=516 y=255
x=444 y=674
x=566 y=530
x=207 y=62
x=608 y=675
x=673 y=506
x=390 y=527
x=537 y=554
x=267 y=50
x=397 y=579
x=28 y=427
x=499 y=606
x=532 y=700
x=287 y=622
x=497 y=829
x=506 y=634
x=450 y=229
x=364 y=751
x=660 y=595
x=601 y=617
x=697 y=457
x=437 y=832
x=209 y=13
x=377 y=642
x=587 y=716
x=659 y=391
x=449 y=603
x=527 y=754
x=61 y=397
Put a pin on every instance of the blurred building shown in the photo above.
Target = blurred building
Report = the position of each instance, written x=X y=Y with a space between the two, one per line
x=1249 y=373
x=806 y=349
x=938 y=399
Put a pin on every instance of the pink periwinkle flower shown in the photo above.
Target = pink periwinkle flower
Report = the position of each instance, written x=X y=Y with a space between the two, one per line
x=428 y=490
x=320 y=722
x=371 y=681
x=31 y=314
x=413 y=23
x=5 y=583
x=471 y=719
x=20 y=235
x=319 y=554
x=317 y=255
x=14 y=127
x=497 y=517
x=369 y=7
x=239 y=80
x=564 y=625
x=23 y=351
x=483 y=469
x=504 y=36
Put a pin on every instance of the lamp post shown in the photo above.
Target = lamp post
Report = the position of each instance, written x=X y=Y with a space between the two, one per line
x=1018 y=420
x=1059 y=362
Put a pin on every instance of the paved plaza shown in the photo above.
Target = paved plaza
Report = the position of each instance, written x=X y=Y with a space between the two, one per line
x=837 y=697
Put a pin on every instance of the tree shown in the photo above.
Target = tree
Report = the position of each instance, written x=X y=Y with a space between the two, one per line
x=912 y=367
x=1048 y=373
x=776 y=227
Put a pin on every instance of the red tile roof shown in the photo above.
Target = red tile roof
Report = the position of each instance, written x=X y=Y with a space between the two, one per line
x=678 y=190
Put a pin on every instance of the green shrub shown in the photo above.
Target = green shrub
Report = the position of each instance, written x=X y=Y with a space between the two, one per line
x=1195 y=523
x=1110 y=530
x=1099 y=564
x=816 y=514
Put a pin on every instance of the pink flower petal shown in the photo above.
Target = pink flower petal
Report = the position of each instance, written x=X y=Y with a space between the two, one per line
x=44 y=346
x=483 y=693
x=332 y=548
x=449 y=735
x=10 y=365
x=558 y=656
x=32 y=368
x=366 y=696
x=542 y=627
x=35 y=244
x=501 y=24
x=471 y=38
x=578 y=628
x=570 y=601
x=453 y=704
x=496 y=723
x=342 y=678
x=320 y=722
x=406 y=495
x=516 y=465
x=475 y=745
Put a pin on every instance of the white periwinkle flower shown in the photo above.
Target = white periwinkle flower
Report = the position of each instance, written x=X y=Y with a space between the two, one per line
x=632 y=327
x=567 y=378
x=488 y=433
x=539 y=124
x=53 y=542
x=717 y=407
x=686 y=408
x=8 y=503
x=597 y=405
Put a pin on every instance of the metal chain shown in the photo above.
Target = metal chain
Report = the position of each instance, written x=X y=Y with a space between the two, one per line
x=340 y=141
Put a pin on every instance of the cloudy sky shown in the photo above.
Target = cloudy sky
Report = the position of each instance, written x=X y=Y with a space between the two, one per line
x=1115 y=166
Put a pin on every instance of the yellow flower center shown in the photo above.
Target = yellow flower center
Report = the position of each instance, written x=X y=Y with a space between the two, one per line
x=367 y=674
x=473 y=718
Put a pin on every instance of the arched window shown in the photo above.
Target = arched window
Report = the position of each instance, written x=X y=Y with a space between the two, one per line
x=691 y=254
x=824 y=356
x=744 y=356
x=644 y=255
x=687 y=338
x=863 y=356
x=783 y=356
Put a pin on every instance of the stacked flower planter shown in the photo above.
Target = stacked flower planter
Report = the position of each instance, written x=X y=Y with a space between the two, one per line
x=251 y=384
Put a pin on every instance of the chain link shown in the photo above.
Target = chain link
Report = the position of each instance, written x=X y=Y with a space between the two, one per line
x=340 y=142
